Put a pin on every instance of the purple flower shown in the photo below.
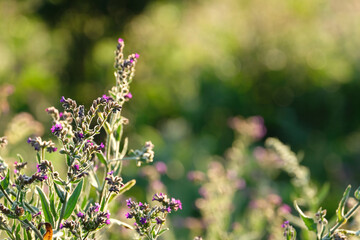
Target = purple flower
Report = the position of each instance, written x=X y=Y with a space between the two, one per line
x=80 y=214
x=143 y=220
x=285 y=224
x=45 y=177
x=128 y=203
x=61 y=226
x=56 y=128
x=51 y=149
x=106 y=98
x=128 y=96
x=108 y=222
x=29 y=140
x=97 y=207
x=108 y=214
x=137 y=55
x=62 y=99
x=101 y=145
x=38 y=168
x=77 y=167
x=131 y=60
x=61 y=114
x=128 y=215
x=120 y=40
x=159 y=220
x=110 y=173
x=140 y=204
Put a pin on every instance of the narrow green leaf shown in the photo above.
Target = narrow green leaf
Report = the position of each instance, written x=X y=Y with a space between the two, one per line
x=5 y=182
x=340 y=210
x=60 y=192
x=101 y=158
x=309 y=222
x=58 y=182
x=357 y=194
x=38 y=157
x=52 y=206
x=107 y=127
x=118 y=133
x=20 y=158
x=45 y=206
x=17 y=233
x=25 y=234
x=70 y=206
x=127 y=186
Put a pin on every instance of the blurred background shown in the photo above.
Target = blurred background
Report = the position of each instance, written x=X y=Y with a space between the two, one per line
x=295 y=63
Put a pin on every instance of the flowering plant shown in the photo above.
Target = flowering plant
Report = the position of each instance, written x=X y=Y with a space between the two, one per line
x=64 y=204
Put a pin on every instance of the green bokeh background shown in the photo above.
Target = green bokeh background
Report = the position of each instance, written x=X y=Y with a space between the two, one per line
x=295 y=63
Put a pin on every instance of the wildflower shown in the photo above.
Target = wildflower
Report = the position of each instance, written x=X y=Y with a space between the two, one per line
x=128 y=215
x=51 y=149
x=120 y=40
x=137 y=55
x=80 y=214
x=56 y=129
x=159 y=220
x=143 y=220
x=61 y=226
x=62 y=99
x=128 y=95
x=110 y=173
x=285 y=224
x=76 y=167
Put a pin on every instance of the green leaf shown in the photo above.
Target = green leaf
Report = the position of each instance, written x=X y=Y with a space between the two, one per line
x=309 y=222
x=17 y=232
x=118 y=133
x=52 y=206
x=70 y=206
x=20 y=158
x=58 y=182
x=25 y=234
x=357 y=194
x=60 y=192
x=45 y=206
x=127 y=186
x=107 y=127
x=5 y=182
x=101 y=158
x=340 y=210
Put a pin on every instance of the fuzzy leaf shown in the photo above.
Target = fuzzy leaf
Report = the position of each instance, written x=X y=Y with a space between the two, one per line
x=118 y=133
x=70 y=206
x=341 y=207
x=45 y=206
x=60 y=192
x=357 y=194
x=308 y=221
x=21 y=159
x=52 y=206
x=101 y=158
x=5 y=182
x=127 y=186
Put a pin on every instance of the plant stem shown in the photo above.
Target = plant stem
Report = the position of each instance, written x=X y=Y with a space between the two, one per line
x=346 y=217
x=5 y=194
x=37 y=232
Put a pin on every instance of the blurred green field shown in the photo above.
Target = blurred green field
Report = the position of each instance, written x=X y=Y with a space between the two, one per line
x=295 y=63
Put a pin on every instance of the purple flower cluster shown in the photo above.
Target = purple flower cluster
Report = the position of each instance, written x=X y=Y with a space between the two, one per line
x=146 y=216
